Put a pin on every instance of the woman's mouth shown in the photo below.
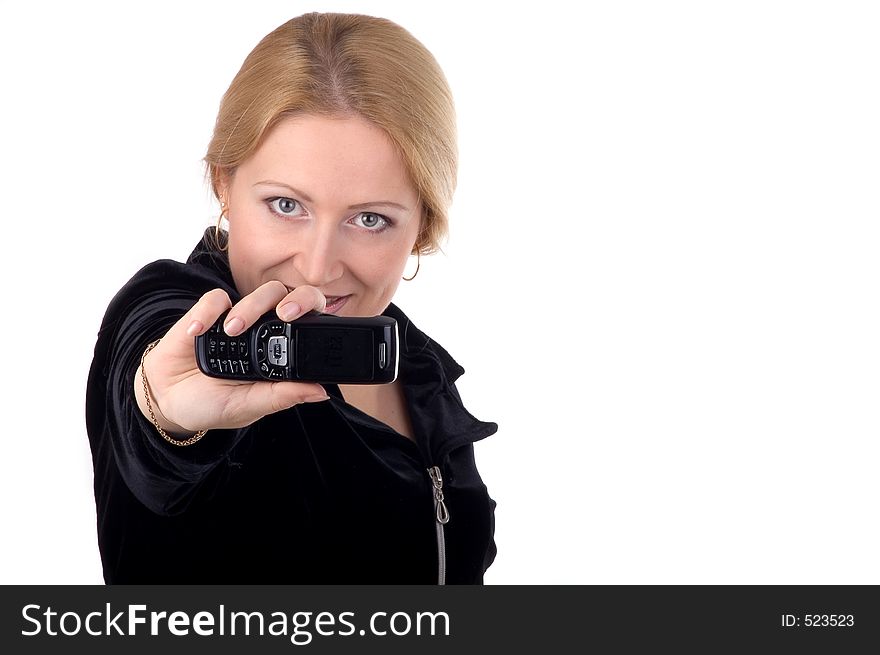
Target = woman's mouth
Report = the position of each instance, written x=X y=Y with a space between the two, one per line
x=334 y=303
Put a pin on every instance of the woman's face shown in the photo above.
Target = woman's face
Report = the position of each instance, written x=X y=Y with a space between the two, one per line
x=324 y=202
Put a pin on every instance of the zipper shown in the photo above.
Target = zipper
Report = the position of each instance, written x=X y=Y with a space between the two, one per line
x=441 y=513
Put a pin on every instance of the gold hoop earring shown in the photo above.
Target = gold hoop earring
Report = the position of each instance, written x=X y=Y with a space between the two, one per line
x=418 y=266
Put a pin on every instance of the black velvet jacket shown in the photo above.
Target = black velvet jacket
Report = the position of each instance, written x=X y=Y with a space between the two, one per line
x=317 y=494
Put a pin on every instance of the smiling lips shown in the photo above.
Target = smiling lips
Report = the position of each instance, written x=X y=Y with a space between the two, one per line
x=334 y=303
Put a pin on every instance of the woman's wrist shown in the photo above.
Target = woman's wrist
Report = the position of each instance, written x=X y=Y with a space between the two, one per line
x=164 y=423
x=169 y=430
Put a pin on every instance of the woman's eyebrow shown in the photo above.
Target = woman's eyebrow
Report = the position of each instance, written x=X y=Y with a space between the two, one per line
x=305 y=197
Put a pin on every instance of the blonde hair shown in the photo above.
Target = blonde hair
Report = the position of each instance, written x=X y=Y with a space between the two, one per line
x=337 y=64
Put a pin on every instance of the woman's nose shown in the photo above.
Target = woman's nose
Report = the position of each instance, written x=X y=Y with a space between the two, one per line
x=317 y=258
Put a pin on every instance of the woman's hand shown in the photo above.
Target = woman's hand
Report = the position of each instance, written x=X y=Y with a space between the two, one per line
x=185 y=400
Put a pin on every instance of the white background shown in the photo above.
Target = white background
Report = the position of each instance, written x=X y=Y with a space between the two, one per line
x=661 y=278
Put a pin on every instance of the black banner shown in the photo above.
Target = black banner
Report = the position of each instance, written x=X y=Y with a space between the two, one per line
x=416 y=619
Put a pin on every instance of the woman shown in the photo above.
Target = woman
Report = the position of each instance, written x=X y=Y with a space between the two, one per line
x=333 y=159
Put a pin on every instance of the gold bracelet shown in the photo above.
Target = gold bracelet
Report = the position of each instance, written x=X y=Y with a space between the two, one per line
x=177 y=442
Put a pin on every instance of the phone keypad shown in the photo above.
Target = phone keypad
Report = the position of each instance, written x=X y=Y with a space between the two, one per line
x=230 y=357
x=227 y=356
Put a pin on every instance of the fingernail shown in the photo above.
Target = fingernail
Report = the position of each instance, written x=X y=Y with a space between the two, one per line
x=194 y=328
x=289 y=311
x=233 y=326
x=318 y=397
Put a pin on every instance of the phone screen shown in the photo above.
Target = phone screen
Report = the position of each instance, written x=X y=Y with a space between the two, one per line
x=327 y=353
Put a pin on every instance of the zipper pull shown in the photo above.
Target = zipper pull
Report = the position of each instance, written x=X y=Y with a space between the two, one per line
x=437 y=480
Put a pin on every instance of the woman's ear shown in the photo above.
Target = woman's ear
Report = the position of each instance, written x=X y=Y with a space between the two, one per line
x=220 y=182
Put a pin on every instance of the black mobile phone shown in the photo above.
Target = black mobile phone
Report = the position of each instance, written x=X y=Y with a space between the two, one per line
x=316 y=347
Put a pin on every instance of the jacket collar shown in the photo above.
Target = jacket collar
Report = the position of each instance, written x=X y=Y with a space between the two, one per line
x=415 y=344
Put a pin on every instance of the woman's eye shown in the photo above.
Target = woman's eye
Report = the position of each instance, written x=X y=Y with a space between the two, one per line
x=283 y=206
x=375 y=222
